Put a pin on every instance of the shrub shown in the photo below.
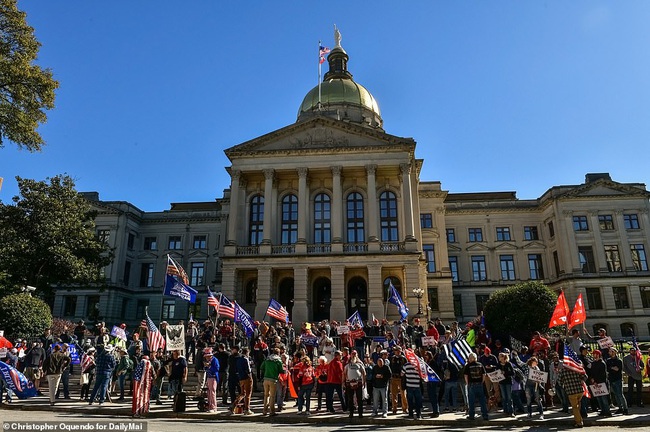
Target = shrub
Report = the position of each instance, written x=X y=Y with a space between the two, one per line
x=24 y=316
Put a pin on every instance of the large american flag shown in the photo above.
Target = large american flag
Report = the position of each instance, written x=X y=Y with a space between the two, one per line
x=212 y=300
x=86 y=362
x=175 y=269
x=142 y=378
x=277 y=311
x=571 y=360
x=154 y=337
x=226 y=307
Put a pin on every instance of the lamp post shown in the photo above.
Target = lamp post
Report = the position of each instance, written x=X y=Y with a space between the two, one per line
x=419 y=292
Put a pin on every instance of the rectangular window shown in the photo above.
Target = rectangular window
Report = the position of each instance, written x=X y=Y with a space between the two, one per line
x=433 y=299
x=125 y=307
x=426 y=221
x=150 y=243
x=92 y=307
x=146 y=275
x=594 y=301
x=141 y=306
x=104 y=235
x=479 y=272
x=645 y=296
x=503 y=234
x=200 y=242
x=127 y=273
x=453 y=267
x=613 y=258
x=580 y=223
x=481 y=299
x=606 y=222
x=631 y=221
x=638 y=257
x=174 y=243
x=130 y=241
x=168 y=309
x=507 y=263
x=430 y=256
x=475 y=234
x=586 y=257
x=195 y=309
x=530 y=233
x=196 y=274
x=451 y=235
x=69 y=306
x=556 y=263
x=621 y=300
x=458 y=305
x=551 y=229
x=535 y=266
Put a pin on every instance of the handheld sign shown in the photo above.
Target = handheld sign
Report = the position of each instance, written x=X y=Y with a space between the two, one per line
x=343 y=329
x=118 y=332
x=429 y=341
x=605 y=343
x=537 y=376
x=599 y=389
x=496 y=376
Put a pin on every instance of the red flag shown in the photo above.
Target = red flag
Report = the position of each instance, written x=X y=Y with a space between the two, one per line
x=579 y=315
x=561 y=311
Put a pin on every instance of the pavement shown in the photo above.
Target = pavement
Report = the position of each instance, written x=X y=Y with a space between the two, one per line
x=553 y=417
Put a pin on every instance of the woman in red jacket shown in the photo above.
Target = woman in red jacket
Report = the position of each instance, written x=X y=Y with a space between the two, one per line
x=334 y=383
x=305 y=378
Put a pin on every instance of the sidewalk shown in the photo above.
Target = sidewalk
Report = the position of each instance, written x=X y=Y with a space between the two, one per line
x=553 y=417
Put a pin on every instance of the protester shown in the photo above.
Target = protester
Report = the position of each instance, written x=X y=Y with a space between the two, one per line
x=615 y=375
x=143 y=377
x=271 y=369
x=104 y=365
x=397 y=362
x=381 y=375
x=334 y=383
x=355 y=382
x=87 y=373
x=633 y=368
x=211 y=367
x=413 y=392
x=306 y=384
x=178 y=373
x=33 y=360
x=598 y=375
x=474 y=374
x=531 y=387
x=505 y=386
x=53 y=367
x=245 y=376
x=573 y=384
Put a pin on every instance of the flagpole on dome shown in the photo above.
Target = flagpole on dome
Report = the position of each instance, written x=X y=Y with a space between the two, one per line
x=320 y=62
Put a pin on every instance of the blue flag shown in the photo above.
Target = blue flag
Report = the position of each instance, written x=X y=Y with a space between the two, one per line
x=394 y=298
x=242 y=317
x=17 y=382
x=176 y=288
x=355 y=318
x=74 y=352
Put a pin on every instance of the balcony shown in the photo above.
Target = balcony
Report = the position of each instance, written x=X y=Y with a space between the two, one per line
x=248 y=250
x=319 y=249
x=391 y=247
x=283 y=250
x=355 y=247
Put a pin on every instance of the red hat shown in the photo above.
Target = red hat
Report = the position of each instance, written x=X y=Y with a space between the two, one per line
x=123 y=325
x=594 y=352
x=470 y=324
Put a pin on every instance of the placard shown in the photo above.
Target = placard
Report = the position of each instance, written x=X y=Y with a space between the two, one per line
x=175 y=335
x=515 y=344
x=343 y=329
x=605 y=343
x=537 y=376
x=3 y=352
x=599 y=389
x=118 y=332
x=2 y=333
x=429 y=341
x=496 y=376
x=357 y=334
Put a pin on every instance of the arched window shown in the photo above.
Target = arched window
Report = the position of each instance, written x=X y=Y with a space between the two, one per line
x=256 y=221
x=396 y=283
x=627 y=330
x=388 y=216
x=355 y=217
x=251 y=291
x=289 y=219
x=322 y=219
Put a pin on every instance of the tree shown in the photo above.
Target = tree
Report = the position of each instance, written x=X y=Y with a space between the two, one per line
x=26 y=89
x=520 y=310
x=24 y=316
x=47 y=237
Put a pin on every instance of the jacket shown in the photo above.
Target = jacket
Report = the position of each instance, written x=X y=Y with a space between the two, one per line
x=272 y=367
x=56 y=363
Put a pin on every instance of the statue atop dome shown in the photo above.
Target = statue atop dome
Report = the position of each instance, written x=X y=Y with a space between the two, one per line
x=337 y=37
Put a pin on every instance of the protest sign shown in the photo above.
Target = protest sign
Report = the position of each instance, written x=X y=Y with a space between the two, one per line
x=429 y=341
x=537 y=376
x=605 y=343
x=343 y=329
x=496 y=376
x=118 y=332
x=175 y=335
x=599 y=389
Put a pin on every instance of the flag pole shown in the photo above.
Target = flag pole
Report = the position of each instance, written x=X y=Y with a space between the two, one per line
x=386 y=306
x=319 y=73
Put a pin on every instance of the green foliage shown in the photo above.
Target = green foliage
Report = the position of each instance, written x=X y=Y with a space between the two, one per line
x=26 y=90
x=47 y=237
x=520 y=310
x=24 y=316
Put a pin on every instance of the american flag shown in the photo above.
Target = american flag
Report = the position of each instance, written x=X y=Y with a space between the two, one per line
x=174 y=269
x=637 y=354
x=226 y=307
x=155 y=339
x=322 y=52
x=571 y=360
x=212 y=301
x=277 y=311
x=86 y=362
x=142 y=378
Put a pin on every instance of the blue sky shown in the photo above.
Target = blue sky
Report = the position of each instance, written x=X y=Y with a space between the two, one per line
x=499 y=95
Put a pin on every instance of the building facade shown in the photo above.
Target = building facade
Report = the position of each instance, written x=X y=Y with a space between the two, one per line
x=326 y=213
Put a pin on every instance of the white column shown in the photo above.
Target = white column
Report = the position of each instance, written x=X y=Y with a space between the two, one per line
x=338 y=309
x=373 y=211
x=300 y=312
x=598 y=243
x=269 y=174
x=234 y=207
x=375 y=292
x=303 y=199
x=405 y=169
x=263 y=291
x=337 y=204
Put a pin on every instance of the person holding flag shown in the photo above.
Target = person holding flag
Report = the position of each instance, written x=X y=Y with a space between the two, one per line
x=572 y=379
x=633 y=367
x=143 y=377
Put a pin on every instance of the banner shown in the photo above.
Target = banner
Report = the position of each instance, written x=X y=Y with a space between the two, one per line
x=496 y=376
x=426 y=372
x=537 y=376
x=357 y=334
x=599 y=389
x=309 y=340
x=118 y=332
x=242 y=317
x=175 y=288
x=175 y=337
x=17 y=382
x=605 y=343
x=429 y=341
x=75 y=358
x=515 y=344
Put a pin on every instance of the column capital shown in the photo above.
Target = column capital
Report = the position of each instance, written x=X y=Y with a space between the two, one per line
x=336 y=170
x=302 y=172
x=405 y=168
x=371 y=169
x=235 y=174
x=269 y=173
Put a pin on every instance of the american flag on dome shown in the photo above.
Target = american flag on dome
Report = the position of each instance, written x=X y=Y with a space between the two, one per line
x=155 y=339
x=226 y=307
x=277 y=311
x=322 y=52
x=142 y=378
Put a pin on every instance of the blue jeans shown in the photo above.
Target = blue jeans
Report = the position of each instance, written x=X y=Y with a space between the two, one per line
x=532 y=394
x=564 y=398
x=616 y=387
x=379 y=394
x=304 y=396
x=120 y=381
x=474 y=391
x=506 y=396
x=174 y=387
x=518 y=397
x=433 y=389
x=414 y=397
x=450 y=393
x=631 y=385
x=102 y=381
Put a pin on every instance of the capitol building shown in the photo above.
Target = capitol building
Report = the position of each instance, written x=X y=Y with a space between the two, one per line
x=323 y=214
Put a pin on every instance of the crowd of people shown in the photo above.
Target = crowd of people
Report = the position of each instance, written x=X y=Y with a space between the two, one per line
x=372 y=369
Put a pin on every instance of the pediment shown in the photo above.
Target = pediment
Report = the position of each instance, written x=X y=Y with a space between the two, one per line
x=605 y=188
x=506 y=246
x=198 y=254
x=147 y=255
x=534 y=245
x=318 y=134
x=454 y=248
x=477 y=247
